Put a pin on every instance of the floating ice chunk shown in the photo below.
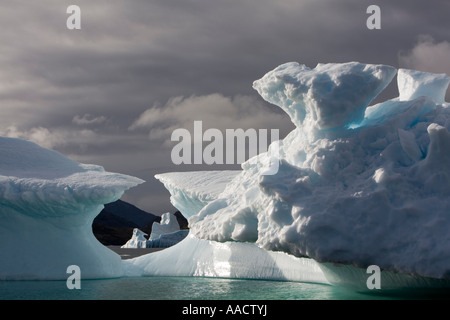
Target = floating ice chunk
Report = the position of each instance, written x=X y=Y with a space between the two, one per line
x=329 y=96
x=167 y=239
x=168 y=224
x=164 y=234
x=48 y=203
x=138 y=240
x=413 y=84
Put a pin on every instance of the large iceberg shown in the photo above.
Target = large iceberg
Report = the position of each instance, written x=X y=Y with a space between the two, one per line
x=47 y=205
x=204 y=258
x=357 y=185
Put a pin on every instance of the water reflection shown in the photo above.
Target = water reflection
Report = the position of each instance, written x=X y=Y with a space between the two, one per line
x=191 y=288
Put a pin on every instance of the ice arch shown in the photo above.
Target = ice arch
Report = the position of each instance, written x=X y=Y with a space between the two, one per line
x=47 y=205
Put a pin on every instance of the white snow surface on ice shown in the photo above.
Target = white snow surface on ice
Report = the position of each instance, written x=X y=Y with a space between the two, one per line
x=414 y=84
x=357 y=184
x=190 y=194
x=47 y=205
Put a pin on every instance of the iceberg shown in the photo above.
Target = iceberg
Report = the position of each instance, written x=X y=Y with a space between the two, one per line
x=203 y=258
x=167 y=239
x=47 y=205
x=138 y=240
x=164 y=234
x=357 y=185
x=168 y=224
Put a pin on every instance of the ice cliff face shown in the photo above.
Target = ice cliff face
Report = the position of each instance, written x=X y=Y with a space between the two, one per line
x=190 y=195
x=47 y=205
x=356 y=185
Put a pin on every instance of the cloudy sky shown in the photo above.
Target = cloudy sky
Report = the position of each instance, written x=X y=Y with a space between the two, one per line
x=112 y=92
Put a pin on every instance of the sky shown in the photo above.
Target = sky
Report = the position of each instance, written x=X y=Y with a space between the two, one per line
x=112 y=92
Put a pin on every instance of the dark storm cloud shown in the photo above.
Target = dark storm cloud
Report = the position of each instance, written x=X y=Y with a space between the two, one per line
x=132 y=56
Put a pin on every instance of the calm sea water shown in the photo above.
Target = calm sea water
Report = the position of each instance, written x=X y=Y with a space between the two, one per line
x=187 y=288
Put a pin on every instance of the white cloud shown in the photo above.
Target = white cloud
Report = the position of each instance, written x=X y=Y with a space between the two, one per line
x=88 y=119
x=214 y=110
x=50 y=139
x=427 y=55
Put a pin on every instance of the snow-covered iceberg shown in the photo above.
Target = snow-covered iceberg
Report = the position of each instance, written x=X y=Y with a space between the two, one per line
x=137 y=240
x=357 y=185
x=168 y=224
x=166 y=240
x=164 y=234
x=47 y=205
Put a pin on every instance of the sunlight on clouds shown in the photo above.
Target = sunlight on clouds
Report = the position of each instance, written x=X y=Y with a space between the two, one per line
x=428 y=55
x=214 y=110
